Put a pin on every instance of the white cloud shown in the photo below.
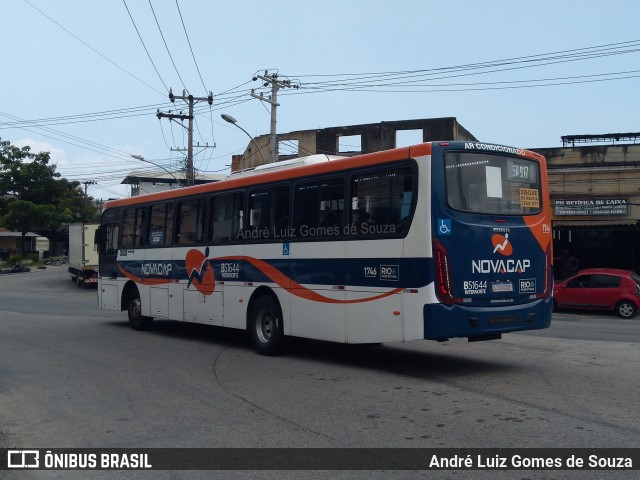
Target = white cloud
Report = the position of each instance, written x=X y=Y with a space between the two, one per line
x=58 y=155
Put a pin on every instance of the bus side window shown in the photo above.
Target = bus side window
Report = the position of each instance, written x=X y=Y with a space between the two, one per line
x=320 y=204
x=111 y=244
x=305 y=206
x=191 y=217
x=268 y=212
x=106 y=239
x=160 y=224
x=226 y=217
x=381 y=202
x=133 y=227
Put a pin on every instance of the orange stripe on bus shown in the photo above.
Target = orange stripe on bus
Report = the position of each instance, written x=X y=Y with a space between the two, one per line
x=298 y=290
x=277 y=277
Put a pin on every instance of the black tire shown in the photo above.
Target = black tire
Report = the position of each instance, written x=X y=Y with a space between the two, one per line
x=134 y=309
x=264 y=325
x=626 y=309
x=79 y=281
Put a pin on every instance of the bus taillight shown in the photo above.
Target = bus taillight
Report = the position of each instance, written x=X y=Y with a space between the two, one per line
x=548 y=274
x=443 y=279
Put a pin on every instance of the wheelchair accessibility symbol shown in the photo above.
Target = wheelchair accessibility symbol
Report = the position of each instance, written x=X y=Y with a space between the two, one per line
x=444 y=226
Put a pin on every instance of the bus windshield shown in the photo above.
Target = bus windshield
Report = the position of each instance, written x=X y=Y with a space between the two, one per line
x=492 y=184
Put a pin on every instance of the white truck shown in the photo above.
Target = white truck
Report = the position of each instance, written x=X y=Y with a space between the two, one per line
x=83 y=256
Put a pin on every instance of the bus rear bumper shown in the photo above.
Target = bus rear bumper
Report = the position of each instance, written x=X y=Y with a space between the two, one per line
x=442 y=322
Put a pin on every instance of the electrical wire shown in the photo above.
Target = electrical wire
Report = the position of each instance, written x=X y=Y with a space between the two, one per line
x=470 y=88
x=165 y=44
x=93 y=49
x=190 y=47
x=584 y=53
x=145 y=47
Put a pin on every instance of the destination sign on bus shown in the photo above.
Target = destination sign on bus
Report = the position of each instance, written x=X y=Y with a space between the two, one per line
x=521 y=171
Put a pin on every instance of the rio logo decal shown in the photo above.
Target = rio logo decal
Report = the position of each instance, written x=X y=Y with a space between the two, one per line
x=200 y=271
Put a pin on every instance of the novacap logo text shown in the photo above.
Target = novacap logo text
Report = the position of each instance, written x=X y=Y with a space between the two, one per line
x=500 y=266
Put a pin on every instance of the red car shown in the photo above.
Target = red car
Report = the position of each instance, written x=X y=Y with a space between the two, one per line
x=600 y=289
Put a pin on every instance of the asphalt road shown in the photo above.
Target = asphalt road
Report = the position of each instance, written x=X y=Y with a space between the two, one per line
x=75 y=376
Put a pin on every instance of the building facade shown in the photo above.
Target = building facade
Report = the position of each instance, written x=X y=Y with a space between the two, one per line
x=373 y=138
x=595 y=199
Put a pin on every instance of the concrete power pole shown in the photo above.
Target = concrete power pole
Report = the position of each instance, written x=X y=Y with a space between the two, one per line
x=272 y=79
x=86 y=185
x=191 y=101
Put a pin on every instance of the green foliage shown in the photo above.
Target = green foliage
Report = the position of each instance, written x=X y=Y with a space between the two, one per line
x=20 y=215
x=34 y=197
x=14 y=260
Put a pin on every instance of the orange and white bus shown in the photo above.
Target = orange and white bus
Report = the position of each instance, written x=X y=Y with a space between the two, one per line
x=434 y=241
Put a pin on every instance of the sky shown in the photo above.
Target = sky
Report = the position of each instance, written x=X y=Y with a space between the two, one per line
x=83 y=80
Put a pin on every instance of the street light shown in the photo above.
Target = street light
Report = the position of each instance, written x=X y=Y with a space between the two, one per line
x=233 y=121
x=142 y=159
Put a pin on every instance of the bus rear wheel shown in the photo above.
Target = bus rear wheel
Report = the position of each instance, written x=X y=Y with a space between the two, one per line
x=265 y=326
x=137 y=321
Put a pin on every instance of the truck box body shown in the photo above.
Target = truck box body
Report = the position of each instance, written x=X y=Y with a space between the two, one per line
x=83 y=257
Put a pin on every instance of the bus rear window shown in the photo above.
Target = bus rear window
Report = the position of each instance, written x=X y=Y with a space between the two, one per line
x=492 y=184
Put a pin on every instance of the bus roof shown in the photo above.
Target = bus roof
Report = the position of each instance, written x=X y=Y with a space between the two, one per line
x=294 y=162
x=302 y=167
x=295 y=168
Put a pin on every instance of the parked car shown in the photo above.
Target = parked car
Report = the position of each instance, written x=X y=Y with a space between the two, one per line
x=600 y=289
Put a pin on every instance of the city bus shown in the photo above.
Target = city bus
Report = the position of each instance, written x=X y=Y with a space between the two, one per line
x=435 y=241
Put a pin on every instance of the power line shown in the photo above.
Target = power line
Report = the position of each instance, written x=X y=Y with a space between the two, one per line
x=93 y=49
x=475 y=86
x=109 y=114
x=190 y=48
x=145 y=47
x=74 y=119
x=585 y=53
x=89 y=145
x=166 y=46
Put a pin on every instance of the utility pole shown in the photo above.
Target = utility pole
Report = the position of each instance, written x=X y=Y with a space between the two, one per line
x=272 y=79
x=191 y=101
x=86 y=185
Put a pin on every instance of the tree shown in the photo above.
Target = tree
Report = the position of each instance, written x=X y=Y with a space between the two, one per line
x=54 y=201
x=20 y=215
x=26 y=175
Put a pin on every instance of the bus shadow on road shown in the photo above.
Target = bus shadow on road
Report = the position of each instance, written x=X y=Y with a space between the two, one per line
x=225 y=337
x=399 y=359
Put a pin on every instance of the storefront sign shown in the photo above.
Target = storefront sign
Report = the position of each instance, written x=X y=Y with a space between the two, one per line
x=591 y=206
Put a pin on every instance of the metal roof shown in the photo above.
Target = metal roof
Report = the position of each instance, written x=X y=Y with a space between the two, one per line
x=9 y=233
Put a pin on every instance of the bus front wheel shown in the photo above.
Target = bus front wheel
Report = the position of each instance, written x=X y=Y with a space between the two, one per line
x=134 y=310
x=265 y=326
